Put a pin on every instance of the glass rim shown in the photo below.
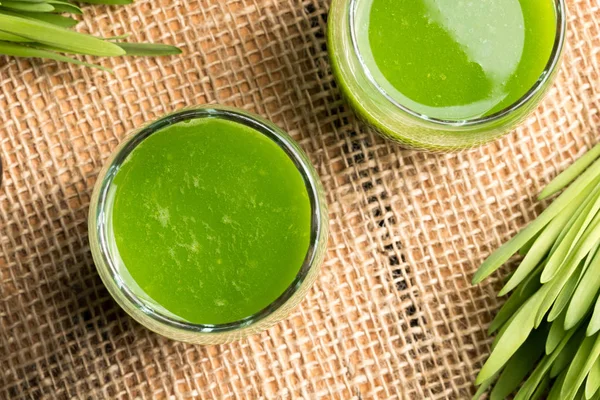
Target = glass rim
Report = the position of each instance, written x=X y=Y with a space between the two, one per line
x=266 y=128
x=551 y=65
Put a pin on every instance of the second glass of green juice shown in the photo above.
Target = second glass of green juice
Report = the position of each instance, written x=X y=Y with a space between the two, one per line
x=445 y=74
x=208 y=225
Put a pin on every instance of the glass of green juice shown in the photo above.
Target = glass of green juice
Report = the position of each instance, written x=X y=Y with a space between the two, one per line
x=445 y=74
x=208 y=225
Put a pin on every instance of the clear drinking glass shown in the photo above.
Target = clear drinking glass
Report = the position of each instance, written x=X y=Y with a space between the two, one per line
x=396 y=121
x=150 y=314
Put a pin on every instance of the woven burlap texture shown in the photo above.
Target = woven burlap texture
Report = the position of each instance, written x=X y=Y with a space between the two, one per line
x=393 y=314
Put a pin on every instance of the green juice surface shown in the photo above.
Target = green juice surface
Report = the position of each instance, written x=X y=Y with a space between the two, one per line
x=456 y=59
x=211 y=219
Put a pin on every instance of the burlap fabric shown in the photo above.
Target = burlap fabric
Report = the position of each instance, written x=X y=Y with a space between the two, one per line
x=393 y=314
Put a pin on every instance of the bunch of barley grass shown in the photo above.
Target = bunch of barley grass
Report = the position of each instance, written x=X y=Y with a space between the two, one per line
x=40 y=28
x=548 y=339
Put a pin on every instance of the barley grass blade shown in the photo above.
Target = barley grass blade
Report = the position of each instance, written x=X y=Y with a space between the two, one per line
x=484 y=387
x=565 y=356
x=557 y=387
x=54 y=19
x=592 y=382
x=529 y=387
x=541 y=389
x=119 y=37
x=34 y=7
x=566 y=294
x=594 y=325
x=516 y=300
x=519 y=365
x=107 y=2
x=65 y=7
x=585 y=293
x=514 y=336
x=553 y=290
x=556 y=334
x=580 y=366
x=587 y=212
x=56 y=36
x=540 y=248
x=568 y=175
x=148 y=49
x=525 y=249
x=572 y=193
x=17 y=50
x=9 y=37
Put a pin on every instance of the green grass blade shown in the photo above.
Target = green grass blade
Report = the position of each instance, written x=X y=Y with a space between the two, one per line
x=592 y=382
x=565 y=356
x=506 y=312
x=585 y=293
x=54 y=19
x=591 y=214
x=571 y=266
x=586 y=200
x=506 y=325
x=534 y=276
x=9 y=37
x=53 y=48
x=568 y=175
x=556 y=334
x=484 y=387
x=592 y=253
x=34 y=7
x=58 y=20
x=594 y=325
x=529 y=387
x=580 y=366
x=503 y=330
x=107 y=2
x=588 y=241
x=516 y=300
x=575 y=192
x=541 y=389
x=519 y=365
x=65 y=7
x=120 y=37
x=46 y=33
x=540 y=248
x=587 y=212
x=148 y=49
x=17 y=50
x=514 y=336
x=557 y=387
x=564 y=297
x=525 y=249
x=554 y=288
x=566 y=294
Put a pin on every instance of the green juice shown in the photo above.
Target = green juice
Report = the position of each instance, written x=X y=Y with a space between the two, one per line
x=211 y=219
x=455 y=59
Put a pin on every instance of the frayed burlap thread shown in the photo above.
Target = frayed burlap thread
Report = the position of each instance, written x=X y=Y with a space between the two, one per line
x=393 y=314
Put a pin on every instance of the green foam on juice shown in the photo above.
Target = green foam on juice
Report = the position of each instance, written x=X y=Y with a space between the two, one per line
x=211 y=219
x=455 y=59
